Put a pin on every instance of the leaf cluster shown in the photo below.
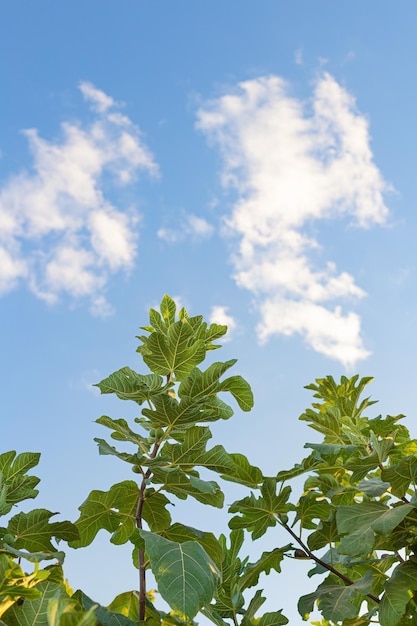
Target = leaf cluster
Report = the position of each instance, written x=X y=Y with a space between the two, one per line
x=357 y=509
x=355 y=518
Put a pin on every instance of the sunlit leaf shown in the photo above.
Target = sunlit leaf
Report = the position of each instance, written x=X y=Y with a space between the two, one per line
x=105 y=616
x=186 y=576
x=204 y=383
x=275 y=618
x=240 y=390
x=192 y=452
x=128 y=385
x=63 y=611
x=243 y=472
x=174 y=352
x=15 y=485
x=114 y=511
x=34 y=532
x=180 y=533
x=179 y=484
x=122 y=430
x=34 y=612
x=168 y=309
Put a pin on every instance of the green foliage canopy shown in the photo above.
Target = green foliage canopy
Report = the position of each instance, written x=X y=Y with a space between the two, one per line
x=355 y=518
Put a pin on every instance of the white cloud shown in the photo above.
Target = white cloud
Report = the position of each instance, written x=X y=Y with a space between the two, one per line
x=58 y=230
x=292 y=164
x=219 y=315
x=100 y=101
x=191 y=226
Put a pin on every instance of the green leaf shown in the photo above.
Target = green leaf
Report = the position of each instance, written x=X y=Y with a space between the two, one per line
x=186 y=576
x=179 y=484
x=169 y=412
x=63 y=611
x=336 y=601
x=305 y=604
x=174 y=353
x=373 y=487
x=128 y=385
x=257 y=514
x=15 y=584
x=209 y=333
x=105 y=617
x=15 y=485
x=398 y=591
x=33 y=531
x=253 y=607
x=275 y=618
x=77 y=618
x=240 y=390
x=268 y=560
x=126 y=603
x=325 y=534
x=192 y=452
x=180 y=534
x=306 y=465
x=34 y=612
x=310 y=507
x=401 y=475
x=154 y=510
x=330 y=449
x=360 y=522
x=361 y=466
x=200 y=384
x=122 y=430
x=114 y=511
x=36 y=557
x=243 y=472
x=168 y=309
x=104 y=448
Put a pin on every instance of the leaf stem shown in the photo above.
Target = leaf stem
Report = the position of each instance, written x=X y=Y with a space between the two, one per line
x=315 y=558
x=141 y=551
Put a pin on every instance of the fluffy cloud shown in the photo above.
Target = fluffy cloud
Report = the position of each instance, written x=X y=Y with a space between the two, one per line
x=292 y=164
x=58 y=231
x=220 y=315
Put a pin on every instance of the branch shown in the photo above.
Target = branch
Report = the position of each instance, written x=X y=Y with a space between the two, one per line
x=315 y=558
x=141 y=552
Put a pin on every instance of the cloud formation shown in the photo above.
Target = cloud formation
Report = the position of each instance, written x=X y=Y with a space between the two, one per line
x=293 y=163
x=59 y=232
x=220 y=315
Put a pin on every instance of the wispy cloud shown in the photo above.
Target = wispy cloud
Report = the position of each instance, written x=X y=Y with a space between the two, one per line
x=294 y=163
x=298 y=56
x=220 y=315
x=191 y=226
x=59 y=232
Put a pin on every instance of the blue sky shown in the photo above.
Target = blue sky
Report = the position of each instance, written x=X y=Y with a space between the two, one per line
x=256 y=161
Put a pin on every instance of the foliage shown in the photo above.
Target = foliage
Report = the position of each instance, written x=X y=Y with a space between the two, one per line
x=355 y=520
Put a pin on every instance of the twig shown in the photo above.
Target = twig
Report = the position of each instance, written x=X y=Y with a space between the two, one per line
x=315 y=558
